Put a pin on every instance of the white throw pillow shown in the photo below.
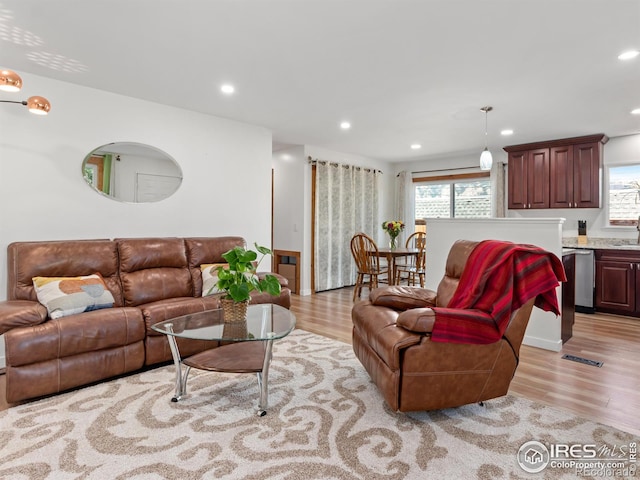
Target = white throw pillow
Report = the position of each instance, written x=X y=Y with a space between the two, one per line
x=210 y=278
x=71 y=295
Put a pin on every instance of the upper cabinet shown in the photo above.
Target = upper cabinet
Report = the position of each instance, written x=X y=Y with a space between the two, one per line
x=556 y=174
x=529 y=179
x=575 y=176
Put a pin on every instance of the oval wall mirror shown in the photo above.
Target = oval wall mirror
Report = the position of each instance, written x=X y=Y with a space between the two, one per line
x=132 y=172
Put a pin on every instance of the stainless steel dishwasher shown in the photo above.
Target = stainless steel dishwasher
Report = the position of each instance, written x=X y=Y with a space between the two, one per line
x=585 y=280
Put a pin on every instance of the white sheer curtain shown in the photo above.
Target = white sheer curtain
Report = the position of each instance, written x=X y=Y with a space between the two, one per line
x=346 y=203
x=404 y=204
x=498 y=189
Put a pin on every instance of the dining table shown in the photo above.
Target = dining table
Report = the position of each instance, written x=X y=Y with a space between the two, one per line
x=390 y=254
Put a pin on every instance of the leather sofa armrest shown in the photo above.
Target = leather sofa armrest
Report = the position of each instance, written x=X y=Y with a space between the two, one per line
x=283 y=281
x=20 y=313
x=417 y=320
x=375 y=327
x=402 y=298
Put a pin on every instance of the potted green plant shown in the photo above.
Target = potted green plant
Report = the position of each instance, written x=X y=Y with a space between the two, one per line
x=240 y=278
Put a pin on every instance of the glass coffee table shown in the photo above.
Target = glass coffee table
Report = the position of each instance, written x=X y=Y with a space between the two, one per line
x=246 y=345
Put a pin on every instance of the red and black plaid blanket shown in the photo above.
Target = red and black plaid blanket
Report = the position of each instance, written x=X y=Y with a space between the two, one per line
x=498 y=278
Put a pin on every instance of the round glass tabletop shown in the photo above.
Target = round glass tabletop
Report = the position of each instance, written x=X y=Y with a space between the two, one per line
x=263 y=322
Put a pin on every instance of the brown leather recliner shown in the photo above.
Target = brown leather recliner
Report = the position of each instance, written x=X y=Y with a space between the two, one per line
x=392 y=339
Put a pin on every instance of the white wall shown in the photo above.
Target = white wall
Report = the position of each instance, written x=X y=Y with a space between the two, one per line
x=544 y=330
x=289 y=193
x=290 y=205
x=292 y=199
x=226 y=167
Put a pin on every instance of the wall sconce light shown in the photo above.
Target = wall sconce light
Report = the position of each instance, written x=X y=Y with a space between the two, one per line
x=10 y=81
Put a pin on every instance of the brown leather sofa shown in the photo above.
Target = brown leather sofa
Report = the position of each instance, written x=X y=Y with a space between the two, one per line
x=392 y=339
x=151 y=279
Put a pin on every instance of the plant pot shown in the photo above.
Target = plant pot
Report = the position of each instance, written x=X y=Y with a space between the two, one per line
x=235 y=329
x=233 y=311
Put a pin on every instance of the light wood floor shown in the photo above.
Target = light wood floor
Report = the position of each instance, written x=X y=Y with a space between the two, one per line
x=609 y=394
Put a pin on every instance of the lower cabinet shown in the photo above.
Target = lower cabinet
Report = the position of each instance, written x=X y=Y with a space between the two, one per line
x=618 y=281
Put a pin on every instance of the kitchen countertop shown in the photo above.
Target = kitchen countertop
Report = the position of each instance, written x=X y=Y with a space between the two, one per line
x=601 y=243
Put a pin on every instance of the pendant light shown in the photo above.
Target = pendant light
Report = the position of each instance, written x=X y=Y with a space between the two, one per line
x=10 y=81
x=486 y=160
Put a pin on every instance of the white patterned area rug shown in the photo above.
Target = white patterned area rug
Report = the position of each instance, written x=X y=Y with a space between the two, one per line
x=326 y=420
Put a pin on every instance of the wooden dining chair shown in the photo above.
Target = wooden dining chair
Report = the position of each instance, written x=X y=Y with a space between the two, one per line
x=415 y=267
x=365 y=254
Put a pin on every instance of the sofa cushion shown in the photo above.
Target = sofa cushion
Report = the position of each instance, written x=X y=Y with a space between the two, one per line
x=20 y=313
x=419 y=320
x=207 y=250
x=60 y=258
x=153 y=269
x=402 y=298
x=376 y=327
x=64 y=296
x=210 y=277
x=77 y=334
x=162 y=310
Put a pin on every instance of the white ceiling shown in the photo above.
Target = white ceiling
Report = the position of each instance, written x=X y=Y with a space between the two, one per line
x=401 y=71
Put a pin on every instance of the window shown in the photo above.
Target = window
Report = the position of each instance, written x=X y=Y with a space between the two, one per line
x=453 y=198
x=433 y=200
x=624 y=195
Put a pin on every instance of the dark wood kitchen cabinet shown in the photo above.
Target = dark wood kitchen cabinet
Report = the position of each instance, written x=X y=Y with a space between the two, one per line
x=529 y=179
x=556 y=174
x=575 y=176
x=618 y=281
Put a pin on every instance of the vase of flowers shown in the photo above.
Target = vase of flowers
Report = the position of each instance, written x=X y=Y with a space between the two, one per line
x=393 y=228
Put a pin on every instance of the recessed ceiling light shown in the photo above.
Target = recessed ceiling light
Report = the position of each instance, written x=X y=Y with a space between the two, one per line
x=228 y=89
x=628 y=55
x=506 y=131
x=635 y=111
x=345 y=125
x=416 y=146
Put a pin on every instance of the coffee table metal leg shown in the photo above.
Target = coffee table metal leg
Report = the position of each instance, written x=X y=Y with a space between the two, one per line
x=263 y=378
x=181 y=378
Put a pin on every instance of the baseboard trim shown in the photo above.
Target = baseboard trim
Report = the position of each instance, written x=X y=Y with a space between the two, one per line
x=581 y=309
x=554 y=346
